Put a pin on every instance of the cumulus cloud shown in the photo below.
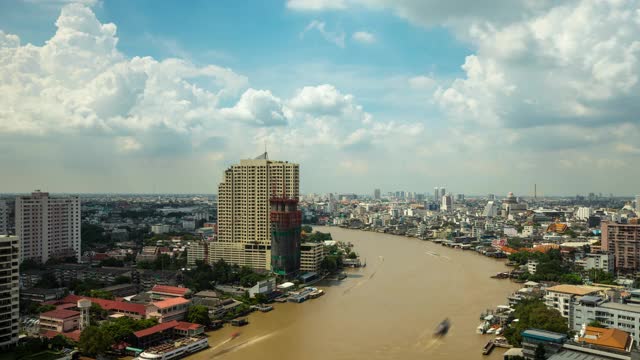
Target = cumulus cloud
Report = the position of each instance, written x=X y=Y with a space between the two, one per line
x=314 y=5
x=334 y=37
x=364 y=37
x=257 y=107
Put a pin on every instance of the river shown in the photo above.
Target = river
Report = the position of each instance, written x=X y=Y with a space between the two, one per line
x=387 y=310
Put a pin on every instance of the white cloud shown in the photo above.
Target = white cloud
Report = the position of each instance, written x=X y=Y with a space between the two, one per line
x=422 y=82
x=364 y=37
x=314 y=5
x=335 y=37
x=257 y=107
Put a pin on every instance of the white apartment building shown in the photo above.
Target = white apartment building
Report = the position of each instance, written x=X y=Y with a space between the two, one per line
x=447 y=203
x=197 y=251
x=48 y=227
x=4 y=217
x=9 y=283
x=244 y=225
x=528 y=230
x=311 y=256
x=532 y=266
x=560 y=297
x=583 y=213
x=160 y=228
x=604 y=262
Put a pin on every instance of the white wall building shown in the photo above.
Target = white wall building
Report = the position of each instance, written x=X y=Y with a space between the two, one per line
x=9 y=282
x=490 y=210
x=532 y=266
x=48 y=227
x=560 y=297
x=604 y=262
x=311 y=256
x=583 y=213
x=613 y=315
x=447 y=202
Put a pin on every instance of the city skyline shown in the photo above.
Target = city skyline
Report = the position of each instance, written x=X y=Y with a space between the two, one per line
x=120 y=97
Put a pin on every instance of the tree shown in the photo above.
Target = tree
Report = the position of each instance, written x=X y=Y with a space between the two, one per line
x=59 y=342
x=95 y=340
x=48 y=281
x=101 y=294
x=199 y=314
x=353 y=255
x=97 y=313
x=307 y=229
x=44 y=308
x=540 y=352
x=122 y=280
x=596 y=323
x=533 y=313
x=111 y=262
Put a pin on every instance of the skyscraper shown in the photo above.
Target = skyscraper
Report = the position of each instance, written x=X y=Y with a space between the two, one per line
x=4 y=217
x=285 y=235
x=9 y=300
x=48 y=227
x=376 y=194
x=443 y=192
x=447 y=203
x=638 y=205
x=436 y=194
x=244 y=224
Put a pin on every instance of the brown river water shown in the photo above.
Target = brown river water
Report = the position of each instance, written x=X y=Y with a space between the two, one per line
x=386 y=310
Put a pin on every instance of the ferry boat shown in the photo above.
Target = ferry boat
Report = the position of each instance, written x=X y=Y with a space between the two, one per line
x=175 y=350
x=316 y=293
x=239 y=322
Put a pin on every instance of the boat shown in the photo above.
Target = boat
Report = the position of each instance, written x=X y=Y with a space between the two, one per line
x=499 y=331
x=443 y=328
x=316 y=293
x=262 y=307
x=491 y=331
x=488 y=348
x=175 y=350
x=235 y=335
x=239 y=322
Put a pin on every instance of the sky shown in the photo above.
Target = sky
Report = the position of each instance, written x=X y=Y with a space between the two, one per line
x=480 y=97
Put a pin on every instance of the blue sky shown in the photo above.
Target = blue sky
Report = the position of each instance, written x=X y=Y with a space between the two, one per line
x=129 y=96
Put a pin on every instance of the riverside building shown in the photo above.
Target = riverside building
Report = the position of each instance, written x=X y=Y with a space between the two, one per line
x=244 y=208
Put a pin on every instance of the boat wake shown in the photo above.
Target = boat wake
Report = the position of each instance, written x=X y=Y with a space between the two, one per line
x=243 y=344
x=348 y=290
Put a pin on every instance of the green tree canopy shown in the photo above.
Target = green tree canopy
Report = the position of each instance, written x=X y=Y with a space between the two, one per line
x=95 y=340
x=534 y=314
x=199 y=314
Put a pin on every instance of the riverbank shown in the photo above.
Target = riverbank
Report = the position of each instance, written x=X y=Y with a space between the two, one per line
x=387 y=310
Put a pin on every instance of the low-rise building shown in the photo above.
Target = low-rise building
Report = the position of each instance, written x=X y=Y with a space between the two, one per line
x=59 y=320
x=602 y=261
x=160 y=228
x=610 y=339
x=148 y=254
x=625 y=317
x=264 y=287
x=161 y=292
x=311 y=256
x=560 y=297
x=169 y=309
x=39 y=295
x=551 y=341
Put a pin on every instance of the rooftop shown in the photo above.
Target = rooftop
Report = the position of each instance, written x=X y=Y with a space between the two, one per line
x=173 y=290
x=611 y=338
x=60 y=314
x=156 y=329
x=109 y=304
x=170 y=302
x=574 y=289
x=544 y=335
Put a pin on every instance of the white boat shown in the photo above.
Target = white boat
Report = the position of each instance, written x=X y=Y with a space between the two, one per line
x=499 y=331
x=491 y=331
x=175 y=350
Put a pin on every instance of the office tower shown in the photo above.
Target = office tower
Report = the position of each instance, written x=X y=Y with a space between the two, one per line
x=490 y=210
x=376 y=194
x=285 y=235
x=638 y=205
x=447 y=203
x=48 y=227
x=436 y=194
x=443 y=192
x=9 y=282
x=244 y=226
x=4 y=217
x=623 y=241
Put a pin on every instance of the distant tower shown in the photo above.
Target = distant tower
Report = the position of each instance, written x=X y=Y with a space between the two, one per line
x=535 y=191
x=436 y=194
x=84 y=305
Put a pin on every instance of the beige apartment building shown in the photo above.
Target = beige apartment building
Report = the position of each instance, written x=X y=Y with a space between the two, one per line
x=244 y=226
x=9 y=298
x=623 y=241
x=311 y=255
x=48 y=227
x=4 y=217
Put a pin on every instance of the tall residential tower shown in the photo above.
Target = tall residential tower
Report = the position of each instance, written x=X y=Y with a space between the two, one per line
x=48 y=227
x=4 y=217
x=9 y=280
x=244 y=223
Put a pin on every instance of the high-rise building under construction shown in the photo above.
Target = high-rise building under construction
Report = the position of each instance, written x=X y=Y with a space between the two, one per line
x=244 y=210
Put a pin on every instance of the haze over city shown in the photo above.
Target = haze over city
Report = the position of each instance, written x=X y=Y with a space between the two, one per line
x=121 y=96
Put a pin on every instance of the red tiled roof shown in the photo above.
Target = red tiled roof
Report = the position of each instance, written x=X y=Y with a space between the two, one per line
x=108 y=305
x=155 y=329
x=170 y=302
x=60 y=314
x=66 y=306
x=184 y=326
x=73 y=335
x=181 y=291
